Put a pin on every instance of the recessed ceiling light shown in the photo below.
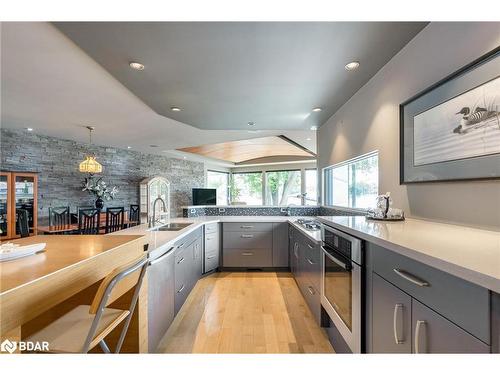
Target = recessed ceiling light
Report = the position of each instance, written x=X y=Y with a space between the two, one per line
x=253 y=131
x=136 y=65
x=308 y=139
x=314 y=127
x=317 y=109
x=129 y=147
x=153 y=145
x=175 y=109
x=185 y=157
x=251 y=123
x=353 y=65
x=29 y=129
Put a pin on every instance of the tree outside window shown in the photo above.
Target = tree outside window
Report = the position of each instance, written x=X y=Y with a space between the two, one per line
x=283 y=188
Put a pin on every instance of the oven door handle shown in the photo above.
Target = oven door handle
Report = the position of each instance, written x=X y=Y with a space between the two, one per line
x=345 y=266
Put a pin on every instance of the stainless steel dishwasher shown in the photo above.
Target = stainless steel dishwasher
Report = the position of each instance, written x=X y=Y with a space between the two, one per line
x=161 y=285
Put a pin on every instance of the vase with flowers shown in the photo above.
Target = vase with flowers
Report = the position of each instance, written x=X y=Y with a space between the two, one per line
x=99 y=189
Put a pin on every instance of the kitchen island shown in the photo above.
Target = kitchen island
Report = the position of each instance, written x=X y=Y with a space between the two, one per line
x=37 y=289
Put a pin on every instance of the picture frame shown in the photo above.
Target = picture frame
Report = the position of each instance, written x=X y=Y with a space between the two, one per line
x=451 y=130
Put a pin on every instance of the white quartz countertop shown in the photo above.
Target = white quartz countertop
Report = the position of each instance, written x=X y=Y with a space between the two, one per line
x=156 y=239
x=468 y=253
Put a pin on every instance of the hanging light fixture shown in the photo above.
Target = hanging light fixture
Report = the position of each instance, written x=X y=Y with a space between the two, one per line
x=90 y=165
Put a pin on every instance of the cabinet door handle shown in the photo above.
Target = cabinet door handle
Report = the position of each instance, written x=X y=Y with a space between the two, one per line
x=180 y=290
x=420 y=335
x=247 y=236
x=309 y=261
x=211 y=257
x=398 y=323
x=180 y=260
x=247 y=254
x=310 y=247
x=181 y=245
x=209 y=238
x=295 y=247
x=246 y=226
x=411 y=278
x=311 y=290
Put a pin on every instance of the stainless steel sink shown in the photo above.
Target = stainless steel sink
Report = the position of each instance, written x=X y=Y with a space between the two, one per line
x=172 y=227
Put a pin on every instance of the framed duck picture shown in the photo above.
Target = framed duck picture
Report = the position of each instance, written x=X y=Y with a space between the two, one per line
x=451 y=131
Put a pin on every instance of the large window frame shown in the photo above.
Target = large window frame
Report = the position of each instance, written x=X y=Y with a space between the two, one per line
x=326 y=191
x=262 y=193
x=228 y=182
x=299 y=195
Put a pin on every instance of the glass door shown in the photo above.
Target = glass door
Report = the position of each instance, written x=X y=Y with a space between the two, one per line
x=25 y=198
x=5 y=205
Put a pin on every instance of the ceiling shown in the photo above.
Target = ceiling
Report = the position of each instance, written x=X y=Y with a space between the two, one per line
x=226 y=74
x=251 y=150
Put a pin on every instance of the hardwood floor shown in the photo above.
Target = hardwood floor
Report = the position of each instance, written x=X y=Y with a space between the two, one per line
x=245 y=312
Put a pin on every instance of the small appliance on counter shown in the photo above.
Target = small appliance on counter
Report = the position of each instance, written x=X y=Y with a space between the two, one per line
x=383 y=211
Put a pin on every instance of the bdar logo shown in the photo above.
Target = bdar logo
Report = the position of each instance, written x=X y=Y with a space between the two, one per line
x=8 y=346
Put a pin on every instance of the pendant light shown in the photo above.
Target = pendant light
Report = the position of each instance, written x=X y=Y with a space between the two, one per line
x=90 y=165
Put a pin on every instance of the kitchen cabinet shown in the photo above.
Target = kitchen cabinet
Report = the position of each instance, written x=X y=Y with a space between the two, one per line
x=280 y=245
x=212 y=247
x=18 y=190
x=247 y=245
x=414 y=308
x=391 y=317
x=306 y=269
x=188 y=266
x=160 y=296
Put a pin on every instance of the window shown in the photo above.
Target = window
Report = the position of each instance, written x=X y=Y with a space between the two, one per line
x=246 y=188
x=353 y=183
x=283 y=188
x=219 y=181
x=311 y=193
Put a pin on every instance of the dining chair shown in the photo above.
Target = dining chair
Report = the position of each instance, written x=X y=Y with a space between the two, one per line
x=86 y=326
x=115 y=217
x=134 y=215
x=89 y=221
x=79 y=208
x=59 y=216
x=22 y=222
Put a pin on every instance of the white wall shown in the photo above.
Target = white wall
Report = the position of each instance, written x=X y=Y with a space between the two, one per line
x=370 y=121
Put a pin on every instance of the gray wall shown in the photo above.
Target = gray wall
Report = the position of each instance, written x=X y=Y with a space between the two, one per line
x=56 y=161
x=370 y=121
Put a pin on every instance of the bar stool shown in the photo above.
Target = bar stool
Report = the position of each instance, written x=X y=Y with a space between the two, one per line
x=82 y=328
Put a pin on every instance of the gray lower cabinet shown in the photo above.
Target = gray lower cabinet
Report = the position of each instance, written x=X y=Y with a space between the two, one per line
x=391 y=332
x=432 y=333
x=160 y=298
x=306 y=269
x=402 y=324
x=212 y=247
x=280 y=245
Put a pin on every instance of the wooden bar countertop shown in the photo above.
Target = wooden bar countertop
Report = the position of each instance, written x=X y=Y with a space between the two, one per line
x=70 y=263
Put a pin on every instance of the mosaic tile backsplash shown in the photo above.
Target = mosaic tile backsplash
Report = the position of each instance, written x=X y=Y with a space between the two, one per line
x=265 y=211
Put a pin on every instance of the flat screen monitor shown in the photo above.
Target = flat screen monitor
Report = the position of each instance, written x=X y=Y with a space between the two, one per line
x=204 y=197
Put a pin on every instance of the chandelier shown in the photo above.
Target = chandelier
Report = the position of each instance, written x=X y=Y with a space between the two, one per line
x=90 y=165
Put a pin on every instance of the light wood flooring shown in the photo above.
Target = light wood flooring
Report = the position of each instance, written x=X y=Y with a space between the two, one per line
x=245 y=312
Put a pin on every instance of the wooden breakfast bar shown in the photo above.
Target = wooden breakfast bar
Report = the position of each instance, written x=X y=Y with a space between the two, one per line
x=37 y=289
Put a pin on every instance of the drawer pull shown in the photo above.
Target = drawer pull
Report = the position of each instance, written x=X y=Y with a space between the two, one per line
x=181 y=245
x=398 y=323
x=247 y=254
x=211 y=257
x=209 y=238
x=311 y=290
x=180 y=260
x=310 y=261
x=247 y=236
x=420 y=336
x=246 y=226
x=180 y=290
x=411 y=278
x=310 y=247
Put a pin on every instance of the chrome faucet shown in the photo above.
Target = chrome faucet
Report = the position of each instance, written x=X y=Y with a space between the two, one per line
x=153 y=220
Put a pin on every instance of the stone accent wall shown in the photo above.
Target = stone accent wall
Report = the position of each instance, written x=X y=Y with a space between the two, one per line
x=59 y=181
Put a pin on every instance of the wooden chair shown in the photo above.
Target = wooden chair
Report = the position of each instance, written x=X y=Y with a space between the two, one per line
x=89 y=221
x=59 y=216
x=115 y=217
x=22 y=222
x=79 y=208
x=134 y=216
x=84 y=327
